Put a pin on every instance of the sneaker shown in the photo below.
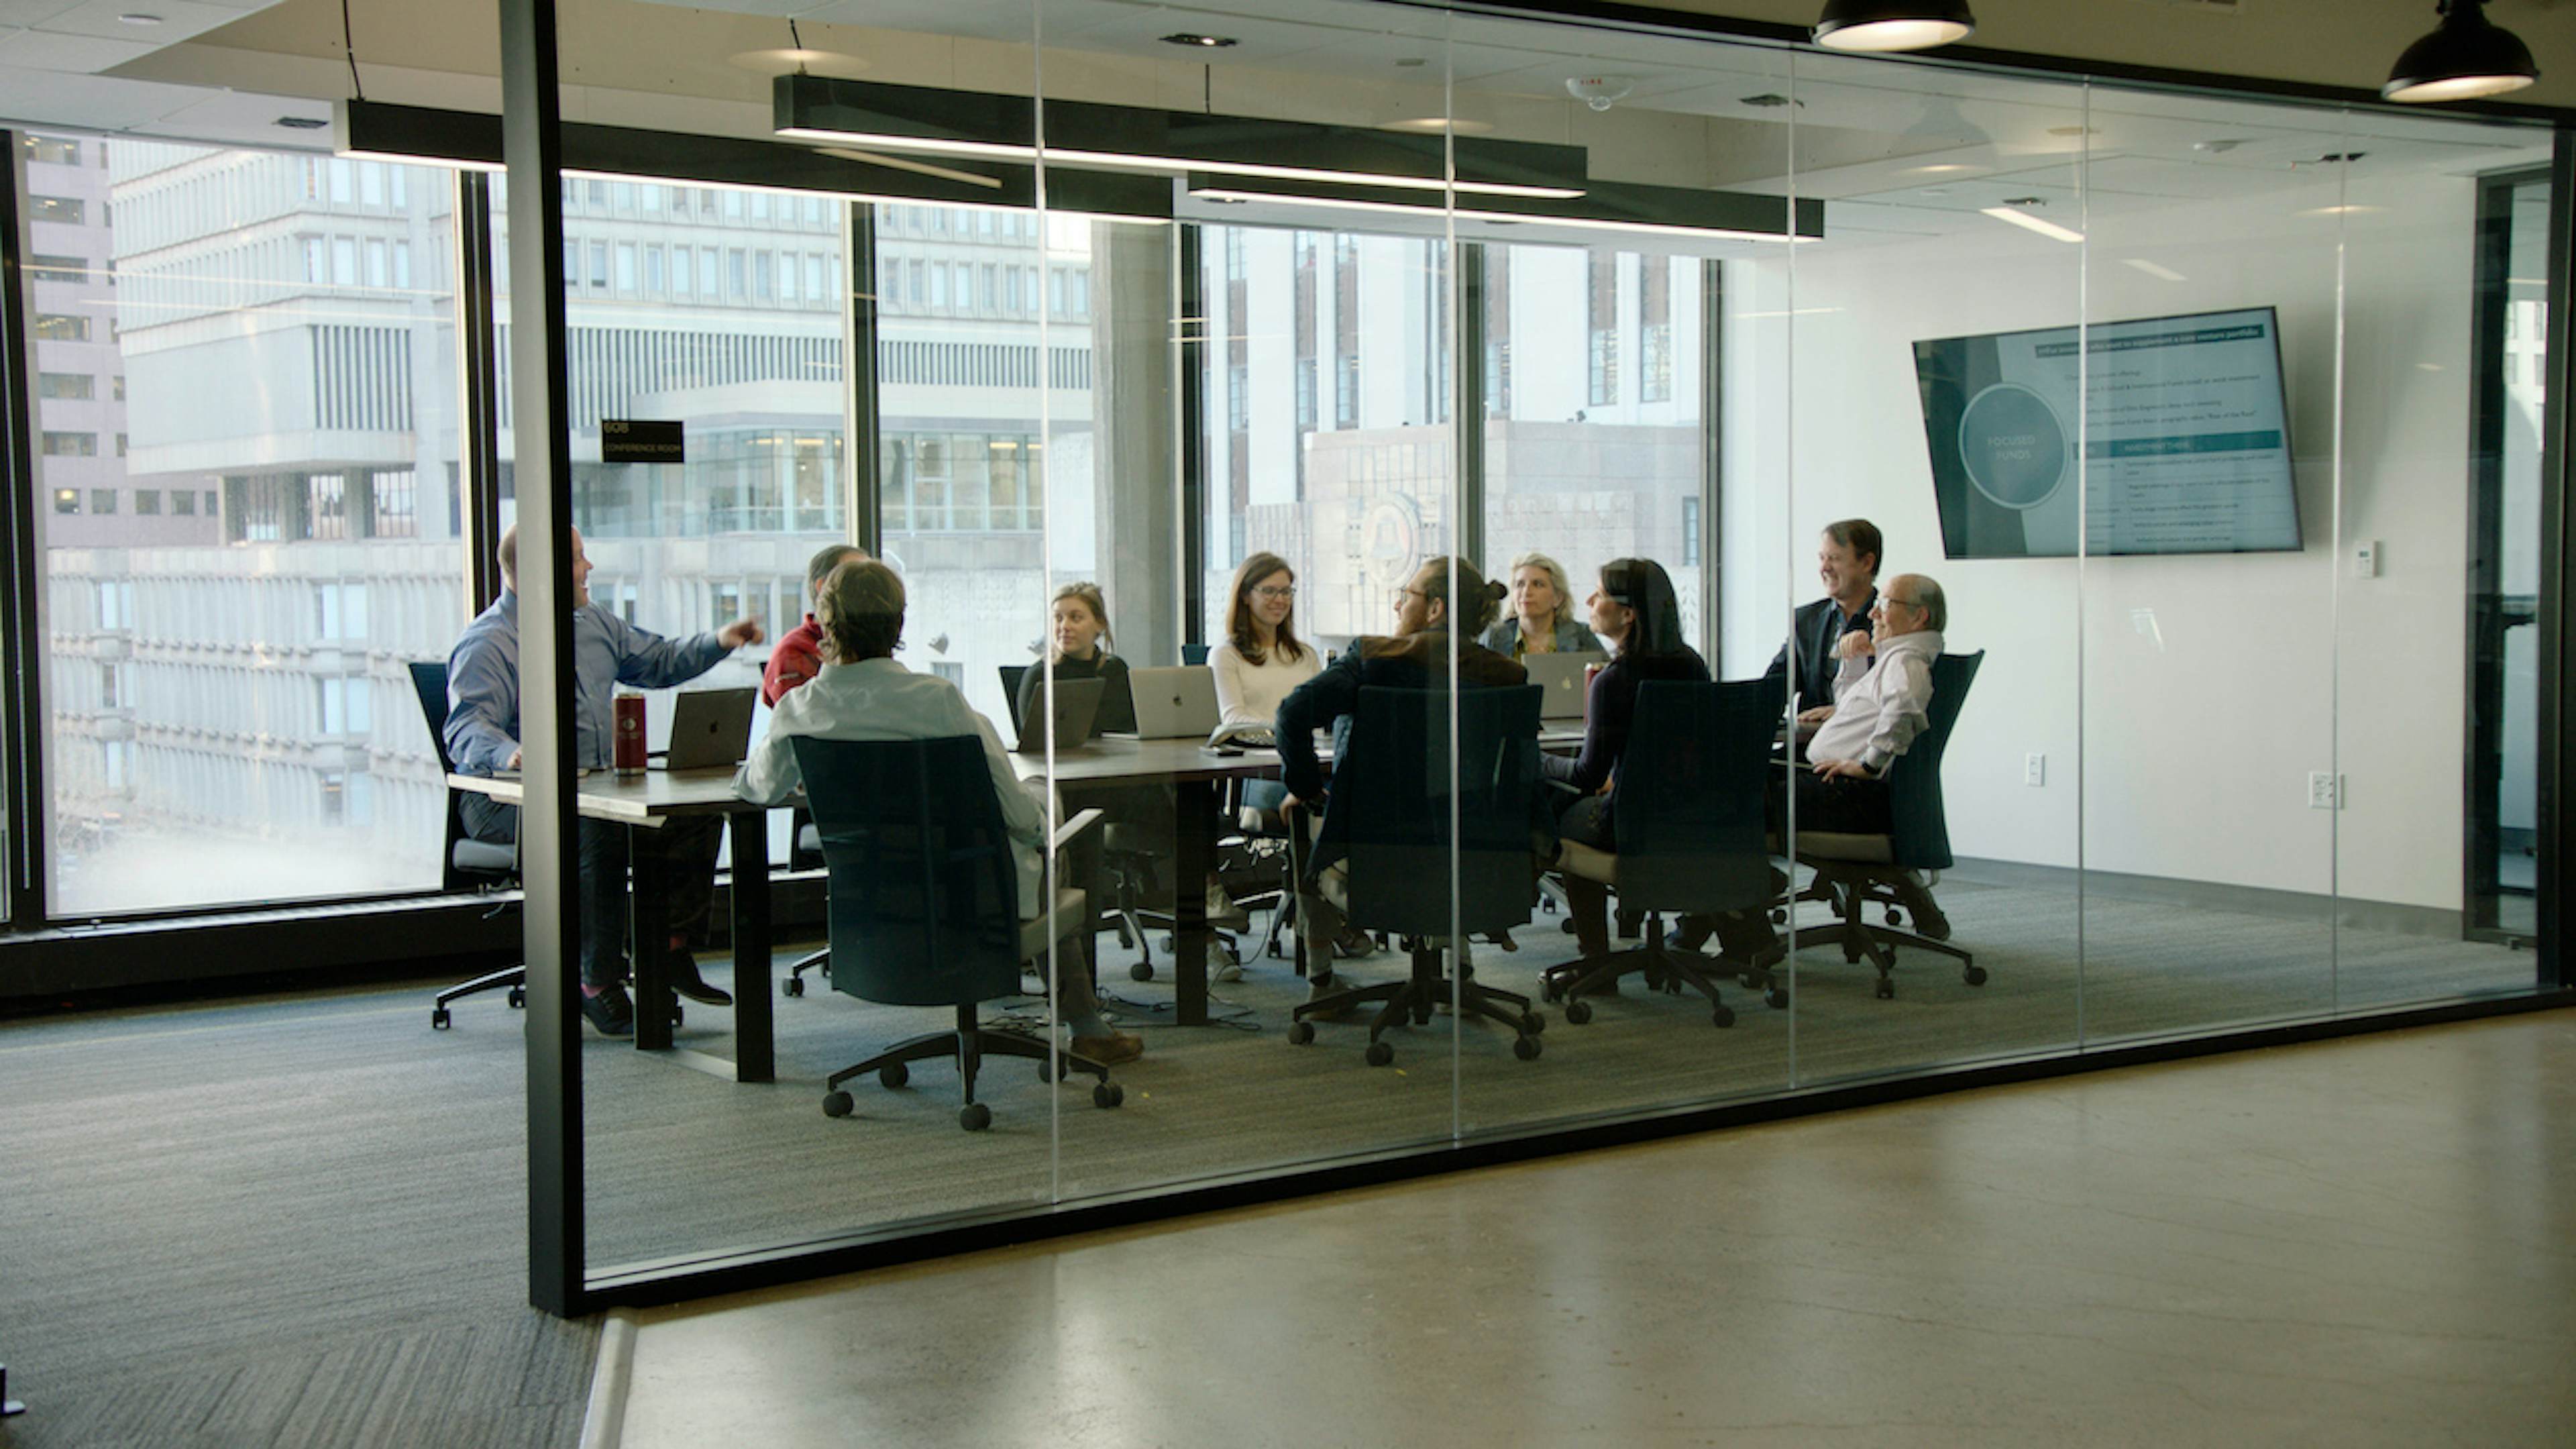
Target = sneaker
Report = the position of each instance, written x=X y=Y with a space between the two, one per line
x=1353 y=943
x=1110 y=1050
x=610 y=1011
x=1319 y=987
x=1225 y=969
x=1222 y=911
x=1928 y=921
x=684 y=978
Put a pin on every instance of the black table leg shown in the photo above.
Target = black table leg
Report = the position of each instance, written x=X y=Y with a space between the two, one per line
x=1194 y=856
x=651 y=942
x=754 y=1053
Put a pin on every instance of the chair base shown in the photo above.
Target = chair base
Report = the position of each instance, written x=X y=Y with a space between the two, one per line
x=1574 y=980
x=970 y=1042
x=794 y=985
x=514 y=978
x=1415 y=998
x=1847 y=888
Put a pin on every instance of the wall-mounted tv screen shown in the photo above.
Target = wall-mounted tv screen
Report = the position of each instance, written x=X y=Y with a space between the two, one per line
x=2187 y=449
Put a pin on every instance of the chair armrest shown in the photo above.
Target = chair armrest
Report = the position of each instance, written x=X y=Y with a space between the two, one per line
x=1066 y=833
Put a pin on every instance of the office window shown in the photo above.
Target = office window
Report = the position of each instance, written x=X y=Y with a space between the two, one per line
x=53 y=150
x=147 y=501
x=61 y=210
x=653 y=263
x=680 y=284
x=344 y=261
x=61 y=327
x=626 y=267
x=787 y=277
x=402 y=265
x=598 y=264
x=371 y=183
x=70 y=445
x=764 y=284
x=379 y=264
x=45 y=267
x=814 y=278
x=737 y=266
x=67 y=500
x=102 y=500
x=69 y=386
x=1655 y=328
x=183 y=502
x=1601 y=301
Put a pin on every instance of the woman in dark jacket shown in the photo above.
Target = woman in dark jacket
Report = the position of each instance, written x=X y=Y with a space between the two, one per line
x=1637 y=614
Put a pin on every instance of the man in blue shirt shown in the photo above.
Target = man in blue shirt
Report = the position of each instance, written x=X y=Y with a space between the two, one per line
x=483 y=739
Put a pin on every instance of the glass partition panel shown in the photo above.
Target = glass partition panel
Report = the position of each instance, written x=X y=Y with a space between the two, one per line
x=1936 y=423
x=1274 y=377
x=2219 y=317
x=247 y=439
x=2436 y=572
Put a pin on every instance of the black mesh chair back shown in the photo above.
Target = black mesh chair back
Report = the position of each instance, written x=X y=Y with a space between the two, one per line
x=925 y=899
x=1012 y=674
x=1395 y=792
x=1687 y=812
x=1194 y=653
x=429 y=682
x=1918 y=835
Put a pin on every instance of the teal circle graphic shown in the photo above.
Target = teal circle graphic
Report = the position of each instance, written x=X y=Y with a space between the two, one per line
x=2013 y=446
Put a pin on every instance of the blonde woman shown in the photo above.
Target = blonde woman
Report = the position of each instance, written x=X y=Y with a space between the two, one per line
x=1078 y=646
x=1542 y=618
x=1260 y=659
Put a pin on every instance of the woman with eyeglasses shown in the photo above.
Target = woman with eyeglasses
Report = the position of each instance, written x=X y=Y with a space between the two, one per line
x=1261 y=658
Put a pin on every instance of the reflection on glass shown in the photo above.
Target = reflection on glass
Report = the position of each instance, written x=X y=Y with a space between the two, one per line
x=249 y=454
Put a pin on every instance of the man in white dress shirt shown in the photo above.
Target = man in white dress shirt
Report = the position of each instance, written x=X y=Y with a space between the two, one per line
x=1878 y=709
x=862 y=693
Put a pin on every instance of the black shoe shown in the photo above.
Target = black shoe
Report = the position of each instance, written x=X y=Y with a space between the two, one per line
x=1928 y=922
x=610 y=1011
x=1687 y=938
x=1353 y=943
x=684 y=977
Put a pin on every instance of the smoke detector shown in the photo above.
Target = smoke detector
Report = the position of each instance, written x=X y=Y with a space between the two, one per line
x=1599 y=92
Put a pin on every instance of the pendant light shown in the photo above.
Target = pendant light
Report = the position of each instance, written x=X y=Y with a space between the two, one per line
x=2464 y=58
x=1888 y=25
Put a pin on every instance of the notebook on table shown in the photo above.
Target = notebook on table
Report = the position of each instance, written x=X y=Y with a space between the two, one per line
x=1561 y=675
x=1077 y=703
x=1173 y=703
x=710 y=728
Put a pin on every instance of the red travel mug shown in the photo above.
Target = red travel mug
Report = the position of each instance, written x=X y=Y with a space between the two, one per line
x=1590 y=673
x=629 y=754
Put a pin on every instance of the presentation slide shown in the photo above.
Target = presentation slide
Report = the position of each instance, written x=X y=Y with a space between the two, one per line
x=2185 y=440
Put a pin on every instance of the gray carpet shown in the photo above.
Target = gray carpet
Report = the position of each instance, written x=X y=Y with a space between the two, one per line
x=298 y=1221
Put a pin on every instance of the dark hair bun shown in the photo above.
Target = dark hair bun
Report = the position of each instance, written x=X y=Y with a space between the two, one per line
x=1497 y=590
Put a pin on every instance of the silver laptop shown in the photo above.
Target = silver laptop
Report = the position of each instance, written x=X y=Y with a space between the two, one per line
x=1077 y=703
x=1561 y=675
x=710 y=728
x=1174 y=703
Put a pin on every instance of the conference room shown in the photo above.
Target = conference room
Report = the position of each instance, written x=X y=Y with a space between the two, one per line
x=2213 y=423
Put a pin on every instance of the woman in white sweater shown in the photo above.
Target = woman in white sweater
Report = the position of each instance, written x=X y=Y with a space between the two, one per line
x=1260 y=659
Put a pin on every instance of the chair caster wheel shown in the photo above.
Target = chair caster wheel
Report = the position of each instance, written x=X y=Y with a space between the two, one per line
x=1380 y=1054
x=519 y=997
x=975 y=1117
x=1779 y=918
x=792 y=986
x=1057 y=1071
x=439 y=1020
x=894 y=1076
x=1141 y=971
x=1974 y=975
x=1748 y=980
x=1579 y=1012
x=1300 y=1033
x=1526 y=1048
x=677 y=1014
x=1777 y=998
x=837 y=1104
x=1886 y=989
x=1533 y=1023
x=1106 y=1095
x=1723 y=1016
x=1895 y=917
x=1567 y=926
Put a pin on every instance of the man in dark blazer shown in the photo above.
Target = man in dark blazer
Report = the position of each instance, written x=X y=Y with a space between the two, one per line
x=1847 y=558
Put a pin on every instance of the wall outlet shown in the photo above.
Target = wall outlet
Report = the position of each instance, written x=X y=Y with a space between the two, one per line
x=2324 y=791
x=2034 y=768
x=2365 y=559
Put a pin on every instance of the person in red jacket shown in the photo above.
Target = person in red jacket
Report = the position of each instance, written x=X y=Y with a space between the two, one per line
x=798 y=656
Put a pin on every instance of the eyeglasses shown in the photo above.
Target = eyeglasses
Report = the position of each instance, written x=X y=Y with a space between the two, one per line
x=1275 y=591
x=1885 y=599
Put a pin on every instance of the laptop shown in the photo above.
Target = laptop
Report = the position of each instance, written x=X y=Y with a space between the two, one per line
x=710 y=728
x=1077 y=702
x=1173 y=703
x=1561 y=675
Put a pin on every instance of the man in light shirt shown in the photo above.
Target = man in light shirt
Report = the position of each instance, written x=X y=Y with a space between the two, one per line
x=1880 y=698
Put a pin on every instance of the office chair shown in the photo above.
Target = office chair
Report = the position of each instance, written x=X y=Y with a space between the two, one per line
x=925 y=906
x=1194 y=654
x=1128 y=852
x=1686 y=821
x=1852 y=871
x=464 y=862
x=1388 y=817
x=805 y=854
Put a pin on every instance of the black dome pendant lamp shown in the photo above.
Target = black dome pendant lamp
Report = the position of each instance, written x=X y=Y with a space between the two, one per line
x=1891 y=25
x=2465 y=57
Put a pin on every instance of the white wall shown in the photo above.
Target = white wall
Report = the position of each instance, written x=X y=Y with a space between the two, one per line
x=2194 y=693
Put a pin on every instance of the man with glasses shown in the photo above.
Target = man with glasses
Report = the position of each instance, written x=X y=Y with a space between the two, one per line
x=1878 y=709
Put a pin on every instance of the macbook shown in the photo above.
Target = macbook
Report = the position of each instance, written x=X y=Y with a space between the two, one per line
x=1174 y=703
x=1077 y=701
x=1561 y=675
x=710 y=728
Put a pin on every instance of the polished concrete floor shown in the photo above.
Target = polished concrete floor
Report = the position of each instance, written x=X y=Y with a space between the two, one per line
x=2362 y=1242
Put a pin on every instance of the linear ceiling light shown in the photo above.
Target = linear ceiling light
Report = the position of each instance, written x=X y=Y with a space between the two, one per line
x=1889 y=25
x=2028 y=222
x=2464 y=58
x=1135 y=138
x=1608 y=206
